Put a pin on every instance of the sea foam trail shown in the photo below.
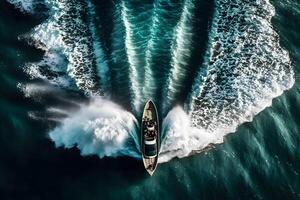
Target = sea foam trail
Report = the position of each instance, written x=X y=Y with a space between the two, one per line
x=149 y=86
x=181 y=53
x=180 y=138
x=163 y=20
x=246 y=69
x=118 y=58
x=247 y=66
x=243 y=69
x=102 y=67
x=53 y=69
x=201 y=73
x=100 y=128
x=26 y=6
x=133 y=59
x=66 y=33
x=164 y=17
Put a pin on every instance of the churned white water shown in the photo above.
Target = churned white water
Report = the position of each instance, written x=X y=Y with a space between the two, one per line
x=244 y=68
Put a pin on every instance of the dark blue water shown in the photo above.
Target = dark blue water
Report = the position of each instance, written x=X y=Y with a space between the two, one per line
x=75 y=76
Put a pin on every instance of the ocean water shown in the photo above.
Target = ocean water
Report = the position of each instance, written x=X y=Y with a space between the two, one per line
x=75 y=75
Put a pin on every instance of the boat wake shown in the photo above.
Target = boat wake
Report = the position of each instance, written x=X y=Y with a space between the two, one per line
x=101 y=128
x=133 y=52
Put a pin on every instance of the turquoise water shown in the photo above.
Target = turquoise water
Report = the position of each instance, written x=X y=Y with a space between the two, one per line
x=211 y=67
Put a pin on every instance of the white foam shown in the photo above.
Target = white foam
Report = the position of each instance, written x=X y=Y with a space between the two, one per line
x=101 y=62
x=181 y=52
x=26 y=6
x=181 y=138
x=47 y=36
x=52 y=68
x=246 y=69
x=70 y=36
x=133 y=60
x=57 y=111
x=149 y=86
x=102 y=128
x=34 y=90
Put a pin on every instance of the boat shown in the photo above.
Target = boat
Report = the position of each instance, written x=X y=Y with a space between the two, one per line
x=150 y=138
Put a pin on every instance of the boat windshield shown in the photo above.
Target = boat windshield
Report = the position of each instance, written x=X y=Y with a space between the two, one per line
x=150 y=150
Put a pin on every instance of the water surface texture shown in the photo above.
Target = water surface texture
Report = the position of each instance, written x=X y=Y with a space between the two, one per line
x=76 y=74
